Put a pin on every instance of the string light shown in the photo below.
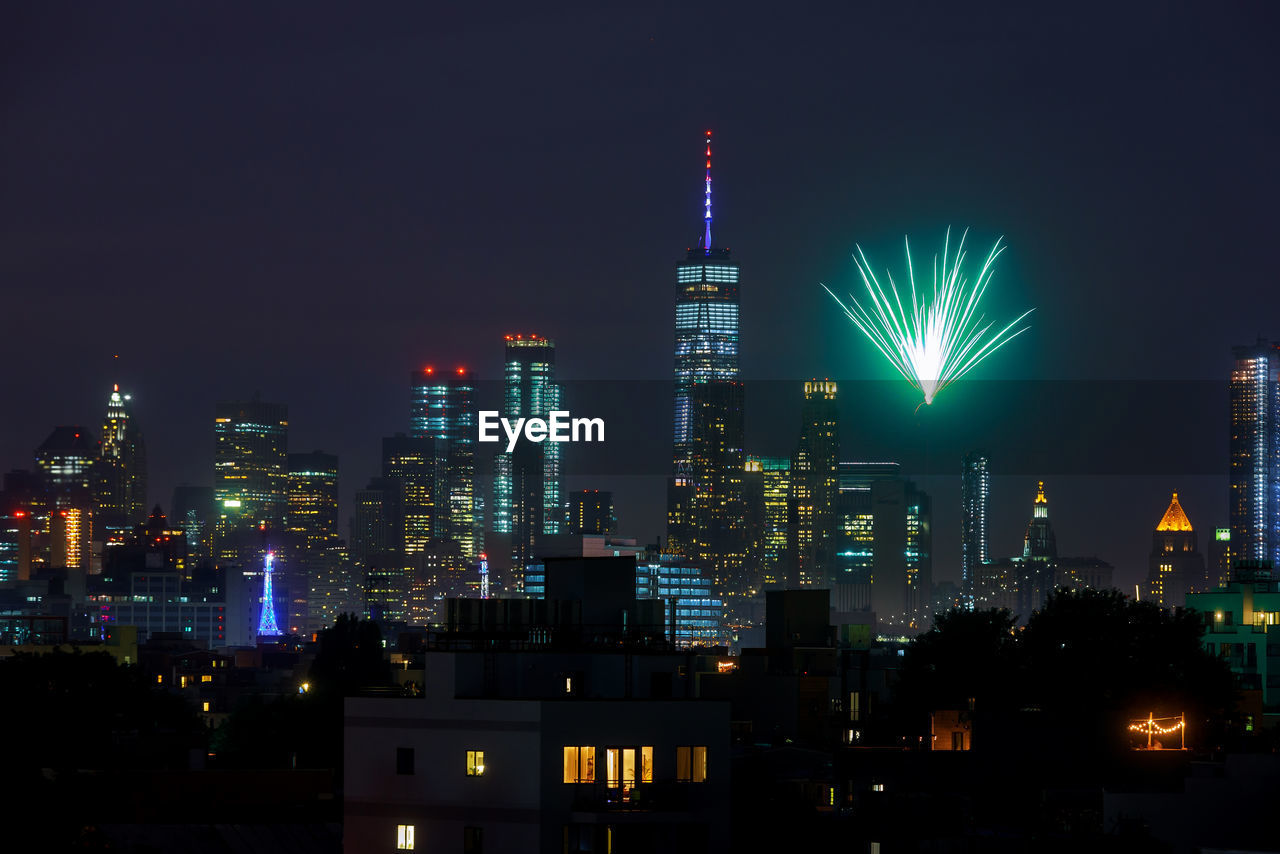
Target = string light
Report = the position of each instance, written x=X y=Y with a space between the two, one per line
x=1150 y=727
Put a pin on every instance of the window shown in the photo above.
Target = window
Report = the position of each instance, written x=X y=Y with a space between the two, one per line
x=620 y=766
x=580 y=764
x=475 y=763
x=472 y=840
x=691 y=764
x=206 y=678
x=404 y=837
x=404 y=760
x=206 y=705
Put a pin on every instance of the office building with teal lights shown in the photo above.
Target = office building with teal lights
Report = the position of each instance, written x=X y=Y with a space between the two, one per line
x=1254 y=508
x=251 y=465
x=884 y=540
x=527 y=487
x=705 y=502
x=442 y=407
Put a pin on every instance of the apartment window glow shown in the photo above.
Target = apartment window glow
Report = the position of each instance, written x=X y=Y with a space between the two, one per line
x=620 y=766
x=404 y=837
x=580 y=764
x=206 y=705
x=691 y=764
x=475 y=763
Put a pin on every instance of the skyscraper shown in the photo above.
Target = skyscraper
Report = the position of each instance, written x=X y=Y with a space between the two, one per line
x=413 y=470
x=1175 y=567
x=442 y=407
x=122 y=470
x=705 y=513
x=975 y=501
x=311 y=520
x=884 y=540
x=1254 y=503
x=66 y=461
x=312 y=499
x=250 y=464
x=527 y=500
x=774 y=490
x=814 y=486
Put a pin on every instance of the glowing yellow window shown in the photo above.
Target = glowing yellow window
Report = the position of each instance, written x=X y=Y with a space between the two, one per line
x=206 y=705
x=404 y=837
x=691 y=764
x=620 y=766
x=580 y=764
x=206 y=678
x=475 y=763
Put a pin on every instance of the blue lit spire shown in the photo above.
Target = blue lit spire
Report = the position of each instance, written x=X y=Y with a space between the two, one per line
x=267 y=621
x=706 y=216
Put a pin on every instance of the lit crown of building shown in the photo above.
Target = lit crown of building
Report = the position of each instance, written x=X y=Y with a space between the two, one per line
x=1174 y=518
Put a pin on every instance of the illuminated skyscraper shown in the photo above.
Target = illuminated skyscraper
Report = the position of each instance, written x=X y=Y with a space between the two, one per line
x=66 y=461
x=1175 y=567
x=774 y=474
x=527 y=500
x=705 y=512
x=814 y=485
x=312 y=496
x=884 y=540
x=250 y=464
x=1255 y=452
x=412 y=471
x=311 y=520
x=442 y=407
x=122 y=470
x=975 y=502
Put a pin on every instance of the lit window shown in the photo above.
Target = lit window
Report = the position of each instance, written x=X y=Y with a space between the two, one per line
x=206 y=705
x=206 y=678
x=620 y=766
x=159 y=679
x=691 y=764
x=580 y=764
x=475 y=763
x=404 y=837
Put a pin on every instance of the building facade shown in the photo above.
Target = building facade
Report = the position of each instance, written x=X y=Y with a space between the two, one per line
x=442 y=407
x=1254 y=499
x=811 y=504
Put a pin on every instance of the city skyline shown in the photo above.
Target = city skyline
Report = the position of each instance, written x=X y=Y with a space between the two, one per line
x=1066 y=256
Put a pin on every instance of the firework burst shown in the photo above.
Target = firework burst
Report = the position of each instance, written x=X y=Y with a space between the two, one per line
x=932 y=342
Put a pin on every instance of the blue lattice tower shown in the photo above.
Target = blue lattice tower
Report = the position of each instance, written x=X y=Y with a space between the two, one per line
x=267 y=621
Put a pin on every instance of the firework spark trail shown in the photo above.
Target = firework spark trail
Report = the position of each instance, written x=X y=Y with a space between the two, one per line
x=937 y=341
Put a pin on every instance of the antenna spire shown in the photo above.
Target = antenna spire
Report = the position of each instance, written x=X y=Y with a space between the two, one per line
x=706 y=216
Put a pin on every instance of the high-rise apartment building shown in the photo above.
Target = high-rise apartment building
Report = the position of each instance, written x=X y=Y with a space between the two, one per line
x=706 y=518
x=975 y=503
x=1254 y=501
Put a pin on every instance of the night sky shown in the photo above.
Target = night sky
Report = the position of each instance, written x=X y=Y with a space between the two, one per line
x=308 y=200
